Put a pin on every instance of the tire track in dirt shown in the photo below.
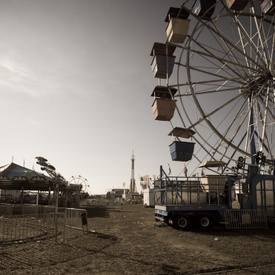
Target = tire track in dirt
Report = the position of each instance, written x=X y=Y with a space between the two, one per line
x=39 y=254
x=268 y=268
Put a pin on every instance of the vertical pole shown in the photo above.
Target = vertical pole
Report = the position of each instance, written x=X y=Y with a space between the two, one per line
x=65 y=221
x=49 y=199
x=56 y=207
x=22 y=194
x=3 y=226
x=161 y=191
x=22 y=199
x=37 y=203
x=251 y=133
x=56 y=195
x=66 y=196
x=229 y=192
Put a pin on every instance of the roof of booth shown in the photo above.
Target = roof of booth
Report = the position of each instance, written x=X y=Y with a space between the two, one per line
x=14 y=176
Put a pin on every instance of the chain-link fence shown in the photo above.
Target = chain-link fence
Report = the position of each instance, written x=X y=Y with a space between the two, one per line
x=39 y=222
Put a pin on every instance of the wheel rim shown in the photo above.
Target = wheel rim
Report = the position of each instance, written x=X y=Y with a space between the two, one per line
x=204 y=222
x=235 y=69
x=182 y=222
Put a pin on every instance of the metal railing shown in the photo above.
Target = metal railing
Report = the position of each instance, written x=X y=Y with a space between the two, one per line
x=38 y=222
x=185 y=191
x=245 y=219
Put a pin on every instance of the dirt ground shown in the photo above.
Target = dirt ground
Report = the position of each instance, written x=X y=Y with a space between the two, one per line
x=129 y=241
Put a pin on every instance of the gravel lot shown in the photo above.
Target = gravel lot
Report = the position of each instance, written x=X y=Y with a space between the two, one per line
x=129 y=241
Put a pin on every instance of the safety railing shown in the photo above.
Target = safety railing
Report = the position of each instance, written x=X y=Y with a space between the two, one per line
x=185 y=191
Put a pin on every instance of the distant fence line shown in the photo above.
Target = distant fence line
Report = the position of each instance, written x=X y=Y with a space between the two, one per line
x=32 y=222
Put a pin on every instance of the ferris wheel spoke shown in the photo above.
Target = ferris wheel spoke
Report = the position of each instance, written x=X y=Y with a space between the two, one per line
x=227 y=132
x=245 y=51
x=272 y=50
x=238 y=63
x=223 y=87
x=234 y=120
x=268 y=37
x=219 y=90
x=201 y=137
x=265 y=142
x=209 y=148
x=218 y=78
x=207 y=52
x=272 y=116
x=208 y=82
x=254 y=48
x=231 y=158
x=271 y=34
x=244 y=68
x=239 y=127
x=249 y=37
x=225 y=63
x=213 y=128
x=207 y=116
x=269 y=108
x=264 y=122
x=261 y=38
x=254 y=126
x=267 y=119
x=229 y=45
x=238 y=114
x=206 y=147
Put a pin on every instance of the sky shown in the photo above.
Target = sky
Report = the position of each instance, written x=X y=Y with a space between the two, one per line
x=76 y=88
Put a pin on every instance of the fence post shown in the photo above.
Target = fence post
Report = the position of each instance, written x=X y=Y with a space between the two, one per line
x=65 y=222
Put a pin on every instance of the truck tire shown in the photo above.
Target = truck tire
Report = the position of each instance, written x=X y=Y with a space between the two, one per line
x=205 y=222
x=181 y=222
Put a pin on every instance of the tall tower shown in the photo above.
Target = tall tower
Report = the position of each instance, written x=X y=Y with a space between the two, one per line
x=133 y=188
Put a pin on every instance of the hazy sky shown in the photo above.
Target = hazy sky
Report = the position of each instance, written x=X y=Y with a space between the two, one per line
x=75 y=87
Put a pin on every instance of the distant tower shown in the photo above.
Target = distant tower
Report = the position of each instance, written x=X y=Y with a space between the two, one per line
x=133 y=188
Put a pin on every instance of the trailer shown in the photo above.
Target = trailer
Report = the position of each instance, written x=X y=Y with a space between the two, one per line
x=232 y=201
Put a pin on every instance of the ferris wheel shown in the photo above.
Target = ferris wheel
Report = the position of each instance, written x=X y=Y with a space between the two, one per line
x=219 y=72
x=79 y=181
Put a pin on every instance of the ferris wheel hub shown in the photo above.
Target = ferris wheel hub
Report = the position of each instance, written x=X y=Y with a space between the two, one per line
x=255 y=84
